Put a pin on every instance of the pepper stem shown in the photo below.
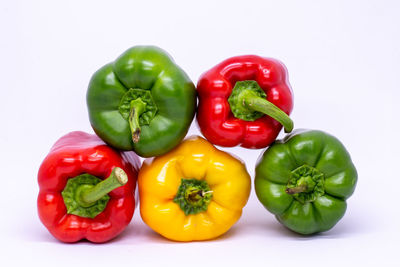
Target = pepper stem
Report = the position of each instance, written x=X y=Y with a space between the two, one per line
x=296 y=190
x=137 y=108
x=197 y=194
x=88 y=196
x=264 y=106
x=248 y=102
x=193 y=196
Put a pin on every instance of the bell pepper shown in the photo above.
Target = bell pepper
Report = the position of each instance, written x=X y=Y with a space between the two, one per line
x=76 y=199
x=194 y=192
x=305 y=180
x=142 y=101
x=244 y=101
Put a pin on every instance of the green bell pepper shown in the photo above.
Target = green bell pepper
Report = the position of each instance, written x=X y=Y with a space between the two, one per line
x=305 y=180
x=142 y=101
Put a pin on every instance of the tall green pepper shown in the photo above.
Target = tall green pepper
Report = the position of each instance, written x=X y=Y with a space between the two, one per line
x=142 y=101
x=305 y=180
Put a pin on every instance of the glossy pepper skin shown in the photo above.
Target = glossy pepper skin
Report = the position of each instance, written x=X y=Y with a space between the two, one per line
x=216 y=113
x=305 y=180
x=72 y=156
x=142 y=101
x=194 y=192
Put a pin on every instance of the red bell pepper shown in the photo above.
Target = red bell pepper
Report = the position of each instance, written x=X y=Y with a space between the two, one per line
x=75 y=200
x=244 y=101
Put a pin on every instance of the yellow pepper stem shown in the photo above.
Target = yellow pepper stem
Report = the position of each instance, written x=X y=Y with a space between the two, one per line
x=193 y=196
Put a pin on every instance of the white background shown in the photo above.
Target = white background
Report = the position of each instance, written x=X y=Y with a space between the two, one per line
x=343 y=59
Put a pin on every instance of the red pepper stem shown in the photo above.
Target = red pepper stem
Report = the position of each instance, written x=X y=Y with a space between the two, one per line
x=137 y=108
x=117 y=178
x=264 y=106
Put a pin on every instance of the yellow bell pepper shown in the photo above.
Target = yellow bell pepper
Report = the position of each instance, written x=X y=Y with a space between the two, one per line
x=194 y=192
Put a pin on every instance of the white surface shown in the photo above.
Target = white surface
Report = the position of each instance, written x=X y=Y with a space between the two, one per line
x=343 y=59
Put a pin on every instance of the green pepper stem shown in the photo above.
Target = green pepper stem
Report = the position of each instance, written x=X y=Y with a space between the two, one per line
x=296 y=190
x=137 y=108
x=117 y=178
x=264 y=106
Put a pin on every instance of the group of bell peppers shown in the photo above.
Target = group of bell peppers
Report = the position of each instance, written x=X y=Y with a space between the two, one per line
x=143 y=104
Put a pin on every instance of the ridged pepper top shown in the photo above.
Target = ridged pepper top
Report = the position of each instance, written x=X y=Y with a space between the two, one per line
x=142 y=101
x=224 y=121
